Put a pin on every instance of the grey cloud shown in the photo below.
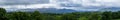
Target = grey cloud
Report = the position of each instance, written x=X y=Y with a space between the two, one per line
x=62 y=0
x=24 y=2
x=91 y=4
x=70 y=5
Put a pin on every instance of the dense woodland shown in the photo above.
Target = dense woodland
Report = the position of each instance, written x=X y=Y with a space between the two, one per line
x=36 y=15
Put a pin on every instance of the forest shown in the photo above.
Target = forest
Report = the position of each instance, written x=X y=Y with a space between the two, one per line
x=36 y=15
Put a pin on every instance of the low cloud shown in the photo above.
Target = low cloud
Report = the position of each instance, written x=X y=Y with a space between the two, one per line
x=60 y=4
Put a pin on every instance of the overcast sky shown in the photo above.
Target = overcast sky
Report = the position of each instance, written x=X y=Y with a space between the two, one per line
x=60 y=4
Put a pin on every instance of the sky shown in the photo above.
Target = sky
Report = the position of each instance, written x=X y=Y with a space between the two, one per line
x=85 y=5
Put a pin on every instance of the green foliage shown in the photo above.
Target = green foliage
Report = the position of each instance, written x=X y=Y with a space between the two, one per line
x=2 y=14
x=69 y=17
x=83 y=18
x=107 y=15
x=2 y=10
x=37 y=16
x=95 y=16
x=19 y=16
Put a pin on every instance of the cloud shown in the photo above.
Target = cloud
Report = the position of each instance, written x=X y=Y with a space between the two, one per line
x=88 y=5
x=70 y=5
x=23 y=2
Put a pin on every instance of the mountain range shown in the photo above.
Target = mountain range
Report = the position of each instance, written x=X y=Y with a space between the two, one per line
x=54 y=10
x=110 y=9
x=49 y=10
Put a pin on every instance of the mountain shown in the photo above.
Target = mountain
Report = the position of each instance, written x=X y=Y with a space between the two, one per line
x=110 y=9
x=54 y=10
x=49 y=10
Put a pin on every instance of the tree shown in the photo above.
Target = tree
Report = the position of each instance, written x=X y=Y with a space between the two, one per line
x=69 y=17
x=37 y=16
x=107 y=15
x=95 y=16
x=84 y=18
x=2 y=14
x=57 y=17
x=116 y=15
x=19 y=16
x=2 y=10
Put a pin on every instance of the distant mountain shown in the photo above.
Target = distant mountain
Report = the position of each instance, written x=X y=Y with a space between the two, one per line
x=110 y=9
x=49 y=10
x=54 y=10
